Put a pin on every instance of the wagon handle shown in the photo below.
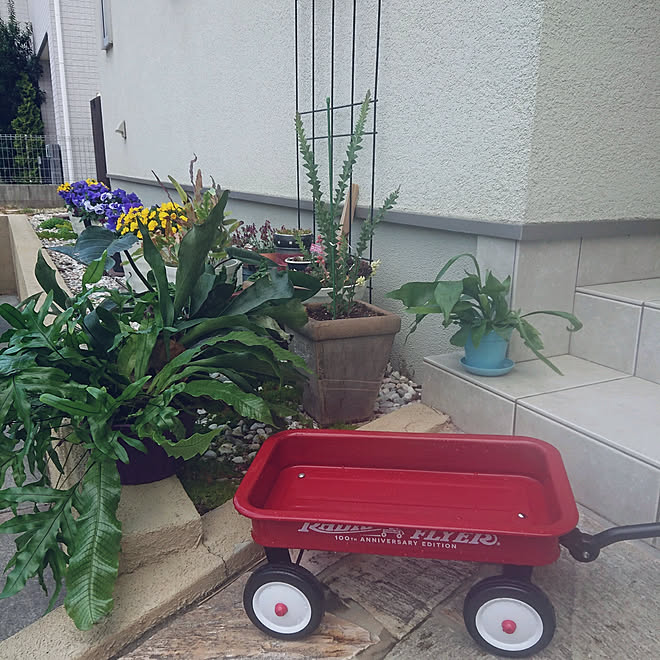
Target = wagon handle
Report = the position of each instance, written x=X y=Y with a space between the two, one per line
x=586 y=547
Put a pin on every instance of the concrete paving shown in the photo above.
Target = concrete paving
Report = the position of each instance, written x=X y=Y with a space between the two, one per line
x=31 y=603
x=403 y=609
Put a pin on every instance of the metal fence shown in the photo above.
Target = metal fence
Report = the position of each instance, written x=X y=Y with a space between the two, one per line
x=40 y=159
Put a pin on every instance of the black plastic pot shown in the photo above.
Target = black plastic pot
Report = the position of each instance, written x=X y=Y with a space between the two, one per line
x=289 y=242
x=297 y=265
x=117 y=266
x=141 y=468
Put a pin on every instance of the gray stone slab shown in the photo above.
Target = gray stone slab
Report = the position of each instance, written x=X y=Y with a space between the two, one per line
x=609 y=334
x=28 y=605
x=606 y=480
x=219 y=628
x=531 y=377
x=398 y=592
x=606 y=610
x=471 y=407
x=624 y=414
x=636 y=292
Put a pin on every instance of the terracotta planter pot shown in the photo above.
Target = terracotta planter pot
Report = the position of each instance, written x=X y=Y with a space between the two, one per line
x=348 y=358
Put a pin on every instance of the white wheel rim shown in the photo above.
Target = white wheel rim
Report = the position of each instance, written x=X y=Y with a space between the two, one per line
x=298 y=608
x=493 y=614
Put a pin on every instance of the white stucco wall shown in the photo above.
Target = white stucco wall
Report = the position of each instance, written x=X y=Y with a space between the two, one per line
x=597 y=124
x=456 y=88
x=487 y=110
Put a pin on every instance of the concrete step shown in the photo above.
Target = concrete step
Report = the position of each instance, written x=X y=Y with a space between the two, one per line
x=602 y=420
x=169 y=523
x=147 y=596
x=621 y=326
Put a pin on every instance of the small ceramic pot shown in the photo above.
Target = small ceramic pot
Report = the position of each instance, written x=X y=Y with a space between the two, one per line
x=293 y=263
x=289 y=242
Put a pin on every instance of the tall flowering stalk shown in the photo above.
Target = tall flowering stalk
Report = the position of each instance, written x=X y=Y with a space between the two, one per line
x=342 y=263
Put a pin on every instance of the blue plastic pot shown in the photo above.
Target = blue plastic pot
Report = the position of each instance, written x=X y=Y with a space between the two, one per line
x=490 y=354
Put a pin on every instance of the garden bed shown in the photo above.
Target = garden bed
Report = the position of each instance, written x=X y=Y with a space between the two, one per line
x=212 y=478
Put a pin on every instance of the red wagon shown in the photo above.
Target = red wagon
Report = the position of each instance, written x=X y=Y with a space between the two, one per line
x=482 y=498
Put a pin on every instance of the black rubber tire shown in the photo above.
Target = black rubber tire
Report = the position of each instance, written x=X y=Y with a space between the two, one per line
x=297 y=577
x=504 y=587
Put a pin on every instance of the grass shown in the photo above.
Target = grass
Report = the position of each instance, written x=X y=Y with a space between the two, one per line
x=56 y=228
x=209 y=484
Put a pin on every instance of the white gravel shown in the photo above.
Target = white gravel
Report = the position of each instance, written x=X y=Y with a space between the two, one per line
x=70 y=269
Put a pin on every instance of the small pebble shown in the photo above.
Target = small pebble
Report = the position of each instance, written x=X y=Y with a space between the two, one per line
x=238 y=459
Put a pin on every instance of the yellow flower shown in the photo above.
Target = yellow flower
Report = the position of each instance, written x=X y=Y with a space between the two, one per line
x=163 y=224
x=124 y=231
x=139 y=235
x=172 y=216
x=134 y=226
x=152 y=214
x=152 y=225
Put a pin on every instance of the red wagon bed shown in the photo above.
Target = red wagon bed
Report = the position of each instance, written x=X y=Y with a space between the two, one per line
x=485 y=498
x=473 y=497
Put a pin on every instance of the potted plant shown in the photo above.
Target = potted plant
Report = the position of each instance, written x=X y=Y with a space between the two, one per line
x=481 y=310
x=286 y=240
x=317 y=266
x=91 y=202
x=112 y=371
x=299 y=263
x=346 y=343
x=169 y=222
x=259 y=241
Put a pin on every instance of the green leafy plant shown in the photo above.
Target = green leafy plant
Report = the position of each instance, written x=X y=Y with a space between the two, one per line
x=56 y=228
x=29 y=143
x=106 y=369
x=478 y=306
x=93 y=242
x=342 y=263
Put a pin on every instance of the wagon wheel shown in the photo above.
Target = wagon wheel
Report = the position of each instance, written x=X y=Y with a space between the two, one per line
x=284 y=601
x=508 y=617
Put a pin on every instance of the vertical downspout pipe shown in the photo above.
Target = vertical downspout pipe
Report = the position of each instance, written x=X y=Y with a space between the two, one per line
x=65 y=97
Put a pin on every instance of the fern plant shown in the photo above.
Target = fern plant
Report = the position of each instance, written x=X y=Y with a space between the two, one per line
x=342 y=262
x=107 y=368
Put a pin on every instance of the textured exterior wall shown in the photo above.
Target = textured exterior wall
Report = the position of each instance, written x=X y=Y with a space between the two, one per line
x=82 y=47
x=21 y=9
x=40 y=18
x=597 y=125
x=457 y=90
x=81 y=42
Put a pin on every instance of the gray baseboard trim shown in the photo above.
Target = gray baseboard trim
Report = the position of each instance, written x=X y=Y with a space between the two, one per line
x=516 y=231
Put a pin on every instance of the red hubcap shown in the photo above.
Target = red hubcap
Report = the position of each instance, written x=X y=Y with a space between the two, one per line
x=509 y=627
x=281 y=609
